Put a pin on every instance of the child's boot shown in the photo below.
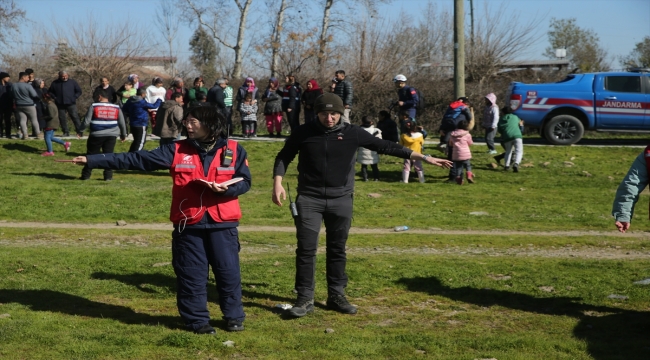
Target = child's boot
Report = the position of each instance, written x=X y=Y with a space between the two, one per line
x=405 y=176
x=421 y=176
x=470 y=177
x=459 y=180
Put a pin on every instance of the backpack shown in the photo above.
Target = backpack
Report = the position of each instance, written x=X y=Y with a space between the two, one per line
x=419 y=107
x=449 y=120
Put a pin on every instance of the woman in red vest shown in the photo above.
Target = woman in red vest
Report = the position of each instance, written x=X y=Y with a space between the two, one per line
x=205 y=212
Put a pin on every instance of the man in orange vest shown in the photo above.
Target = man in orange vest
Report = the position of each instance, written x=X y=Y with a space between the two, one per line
x=205 y=212
x=629 y=190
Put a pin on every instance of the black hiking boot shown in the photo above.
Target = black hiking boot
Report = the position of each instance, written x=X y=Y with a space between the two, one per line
x=301 y=308
x=235 y=325
x=340 y=303
x=205 y=330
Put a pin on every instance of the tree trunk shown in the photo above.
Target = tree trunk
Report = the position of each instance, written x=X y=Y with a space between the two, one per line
x=275 y=50
x=239 y=47
x=322 y=44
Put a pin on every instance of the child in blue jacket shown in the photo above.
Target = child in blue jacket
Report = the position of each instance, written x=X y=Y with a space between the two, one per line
x=137 y=108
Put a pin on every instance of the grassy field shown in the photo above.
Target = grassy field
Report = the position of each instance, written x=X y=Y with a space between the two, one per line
x=110 y=293
x=555 y=196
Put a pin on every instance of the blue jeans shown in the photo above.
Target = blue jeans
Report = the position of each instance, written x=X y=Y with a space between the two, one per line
x=49 y=137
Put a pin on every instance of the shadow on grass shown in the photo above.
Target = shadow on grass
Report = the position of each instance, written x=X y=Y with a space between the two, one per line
x=610 y=333
x=55 y=301
x=21 y=147
x=143 y=282
x=164 y=173
x=49 y=176
x=389 y=176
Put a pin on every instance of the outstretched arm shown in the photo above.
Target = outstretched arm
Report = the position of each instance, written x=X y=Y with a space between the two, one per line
x=628 y=192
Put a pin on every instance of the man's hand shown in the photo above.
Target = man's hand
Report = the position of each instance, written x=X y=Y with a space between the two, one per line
x=278 y=193
x=622 y=226
x=122 y=138
x=400 y=103
x=288 y=110
x=80 y=160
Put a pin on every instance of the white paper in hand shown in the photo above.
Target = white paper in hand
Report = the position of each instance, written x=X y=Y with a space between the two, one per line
x=225 y=183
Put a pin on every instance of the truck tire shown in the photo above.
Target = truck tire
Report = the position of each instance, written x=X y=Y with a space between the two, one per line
x=564 y=130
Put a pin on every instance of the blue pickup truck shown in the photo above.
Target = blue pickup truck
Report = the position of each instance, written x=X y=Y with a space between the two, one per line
x=562 y=111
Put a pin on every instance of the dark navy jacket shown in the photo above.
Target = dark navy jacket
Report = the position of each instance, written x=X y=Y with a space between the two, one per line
x=409 y=96
x=162 y=158
x=65 y=92
x=136 y=107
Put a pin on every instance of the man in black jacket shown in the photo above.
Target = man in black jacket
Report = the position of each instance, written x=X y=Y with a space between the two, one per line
x=343 y=89
x=326 y=152
x=6 y=105
x=66 y=91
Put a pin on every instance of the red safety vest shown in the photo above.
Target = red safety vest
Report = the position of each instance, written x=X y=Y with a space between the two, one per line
x=190 y=199
x=646 y=155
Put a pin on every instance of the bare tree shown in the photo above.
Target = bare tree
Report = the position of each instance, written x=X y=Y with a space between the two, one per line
x=583 y=49
x=640 y=56
x=212 y=18
x=277 y=39
x=168 y=25
x=93 y=52
x=499 y=39
x=324 y=37
x=11 y=16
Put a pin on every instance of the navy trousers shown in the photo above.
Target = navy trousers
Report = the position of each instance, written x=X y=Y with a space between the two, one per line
x=193 y=251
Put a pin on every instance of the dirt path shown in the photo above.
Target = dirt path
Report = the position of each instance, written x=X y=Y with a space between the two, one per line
x=254 y=228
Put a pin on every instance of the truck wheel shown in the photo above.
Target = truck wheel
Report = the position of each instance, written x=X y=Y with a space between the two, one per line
x=564 y=130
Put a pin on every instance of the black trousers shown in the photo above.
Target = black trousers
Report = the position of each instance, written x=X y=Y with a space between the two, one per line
x=293 y=118
x=93 y=146
x=139 y=138
x=336 y=213
x=63 y=118
x=5 y=116
x=375 y=171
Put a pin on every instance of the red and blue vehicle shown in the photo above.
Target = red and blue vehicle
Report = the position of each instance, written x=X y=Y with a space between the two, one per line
x=562 y=111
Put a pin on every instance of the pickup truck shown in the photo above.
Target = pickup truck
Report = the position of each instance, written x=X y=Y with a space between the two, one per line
x=562 y=111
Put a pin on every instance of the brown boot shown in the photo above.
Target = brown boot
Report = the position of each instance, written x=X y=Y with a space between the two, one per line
x=470 y=177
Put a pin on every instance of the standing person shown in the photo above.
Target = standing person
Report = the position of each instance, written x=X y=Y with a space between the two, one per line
x=511 y=136
x=106 y=124
x=273 y=107
x=490 y=121
x=177 y=86
x=110 y=91
x=388 y=127
x=343 y=89
x=248 y=114
x=326 y=152
x=135 y=79
x=6 y=105
x=414 y=140
x=228 y=93
x=51 y=117
x=217 y=97
x=170 y=115
x=309 y=98
x=457 y=111
x=127 y=91
x=629 y=190
x=367 y=157
x=41 y=90
x=137 y=108
x=32 y=76
x=24 y=97
x=199 y=86
x=155 y=91
x=66 y=91
x=460 y=142
x=205 y=214
x=290 y=103
x=407 y=96
x=248 y=88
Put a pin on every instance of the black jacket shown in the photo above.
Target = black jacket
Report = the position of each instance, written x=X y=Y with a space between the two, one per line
x=344 y=90
x=6 y=102
x=216 y=97
x=110 y=91
x=326 y=158
x=65 y=92
x=388 y=129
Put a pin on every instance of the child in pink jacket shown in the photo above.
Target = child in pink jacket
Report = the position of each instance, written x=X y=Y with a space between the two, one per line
x=459 y=143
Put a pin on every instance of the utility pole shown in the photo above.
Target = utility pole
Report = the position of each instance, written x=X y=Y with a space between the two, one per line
x=459 y=49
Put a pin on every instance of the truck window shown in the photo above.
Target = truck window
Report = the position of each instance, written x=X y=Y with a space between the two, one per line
x=627 y=84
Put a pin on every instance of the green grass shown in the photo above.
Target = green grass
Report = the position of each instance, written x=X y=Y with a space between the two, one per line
x=79 y=295
x=553 y=197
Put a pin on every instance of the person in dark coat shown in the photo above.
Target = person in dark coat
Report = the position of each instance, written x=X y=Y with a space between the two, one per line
x=388 y=127
x=66 y=91
x=110 y=91
x=6 y=105
x=309 y=98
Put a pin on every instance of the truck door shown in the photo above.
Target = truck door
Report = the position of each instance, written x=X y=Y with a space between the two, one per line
x=620 y=101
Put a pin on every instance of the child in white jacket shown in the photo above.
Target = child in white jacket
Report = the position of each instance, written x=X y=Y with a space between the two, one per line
x=367 y=157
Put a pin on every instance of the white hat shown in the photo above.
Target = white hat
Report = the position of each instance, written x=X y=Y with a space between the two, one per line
x=399 y=77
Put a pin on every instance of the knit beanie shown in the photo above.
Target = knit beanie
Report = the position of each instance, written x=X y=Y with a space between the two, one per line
x=329 y=102
x=3 y=75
